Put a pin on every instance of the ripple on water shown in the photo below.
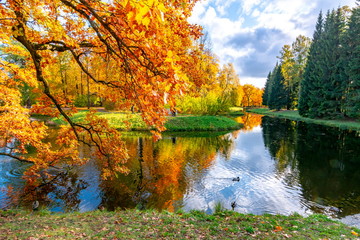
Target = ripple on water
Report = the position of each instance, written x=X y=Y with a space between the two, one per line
x=260 y=188
x=15 y=173
x=11 y=171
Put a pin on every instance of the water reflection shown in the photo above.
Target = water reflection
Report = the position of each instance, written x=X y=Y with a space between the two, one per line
x=325 y=161
x=250 y=121
x=162 y=172
x=282 y=166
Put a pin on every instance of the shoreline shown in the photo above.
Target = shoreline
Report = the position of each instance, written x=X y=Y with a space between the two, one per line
x=294 y=115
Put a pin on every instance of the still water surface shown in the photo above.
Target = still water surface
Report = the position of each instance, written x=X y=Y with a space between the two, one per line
x=270 y=166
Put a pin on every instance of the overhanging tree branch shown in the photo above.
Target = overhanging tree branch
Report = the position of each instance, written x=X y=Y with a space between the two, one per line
x=21 y=159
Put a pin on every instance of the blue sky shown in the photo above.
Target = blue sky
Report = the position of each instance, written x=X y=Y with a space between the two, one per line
x=250 y=33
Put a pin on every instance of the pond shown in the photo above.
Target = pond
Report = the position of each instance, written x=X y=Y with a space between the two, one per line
x=270 y=166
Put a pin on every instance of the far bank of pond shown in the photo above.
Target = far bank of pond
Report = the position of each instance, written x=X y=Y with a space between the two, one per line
x=294 y=115
x=134 y=122
x=271 y=165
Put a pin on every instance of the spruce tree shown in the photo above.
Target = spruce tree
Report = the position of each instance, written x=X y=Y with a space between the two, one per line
x=278 y=95
x=352 y=100
x=270 y=83
x=309 y=98
x=265 y=96
x=333 y=80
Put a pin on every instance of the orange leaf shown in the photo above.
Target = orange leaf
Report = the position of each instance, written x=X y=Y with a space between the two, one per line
x=278 y=229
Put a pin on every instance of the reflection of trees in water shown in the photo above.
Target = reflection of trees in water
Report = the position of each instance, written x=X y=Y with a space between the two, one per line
x=249 y=120
x=58 y=189
x=66 y=190
x=61 y=185
x=330 y=158
x=280 y=139
x=326 y=161
x=161 y=172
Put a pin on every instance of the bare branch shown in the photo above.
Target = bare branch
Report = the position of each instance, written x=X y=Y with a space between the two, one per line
x=16 y=157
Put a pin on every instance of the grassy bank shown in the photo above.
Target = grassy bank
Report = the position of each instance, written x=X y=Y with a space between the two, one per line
x=294 y=115
x=201 y=123
x=132 y=224
x=180 y=123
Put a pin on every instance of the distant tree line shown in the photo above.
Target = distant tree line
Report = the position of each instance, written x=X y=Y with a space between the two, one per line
x=320 y=78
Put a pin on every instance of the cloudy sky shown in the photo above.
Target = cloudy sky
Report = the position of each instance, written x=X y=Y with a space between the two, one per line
x=250 y=33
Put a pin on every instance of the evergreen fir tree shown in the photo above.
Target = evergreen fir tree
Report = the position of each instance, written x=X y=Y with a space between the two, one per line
x=310 y=85
x=278 y=95
x=332 y=80
x=265 y=96
x=271 y=84
x=352 y=100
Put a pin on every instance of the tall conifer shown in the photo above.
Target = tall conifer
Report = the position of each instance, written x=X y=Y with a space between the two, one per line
x=352 y=100
x=310 y=85
x=265 y=96
x=333 y=80
x=278 y=95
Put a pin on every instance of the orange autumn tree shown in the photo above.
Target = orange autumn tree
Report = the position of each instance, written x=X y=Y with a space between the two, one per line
x=144 y=43
x=252 y=96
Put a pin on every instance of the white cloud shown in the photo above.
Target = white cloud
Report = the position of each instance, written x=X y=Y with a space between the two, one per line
x=255 y=13
x=219 y=27
x=198 y=11
x=249 y=5
x=222 y=6
x=257 y=82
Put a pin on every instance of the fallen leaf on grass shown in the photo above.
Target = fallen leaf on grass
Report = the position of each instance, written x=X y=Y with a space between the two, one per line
x=278 y=229
x=354 y=233
x=118 y=221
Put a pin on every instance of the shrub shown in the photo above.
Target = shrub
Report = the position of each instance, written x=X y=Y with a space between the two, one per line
x=82 y=101
x=108 y=105
x=211 y=104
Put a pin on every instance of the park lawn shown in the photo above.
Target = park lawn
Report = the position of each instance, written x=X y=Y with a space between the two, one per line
x=294 y=115
x=201 y=123
x=134 y=224
x=134 y=122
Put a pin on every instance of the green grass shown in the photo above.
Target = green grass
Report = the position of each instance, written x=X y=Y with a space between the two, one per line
x=201 y=123
x=294 y=115
x=133 y=224
x=115 y=119
x=180 y=123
